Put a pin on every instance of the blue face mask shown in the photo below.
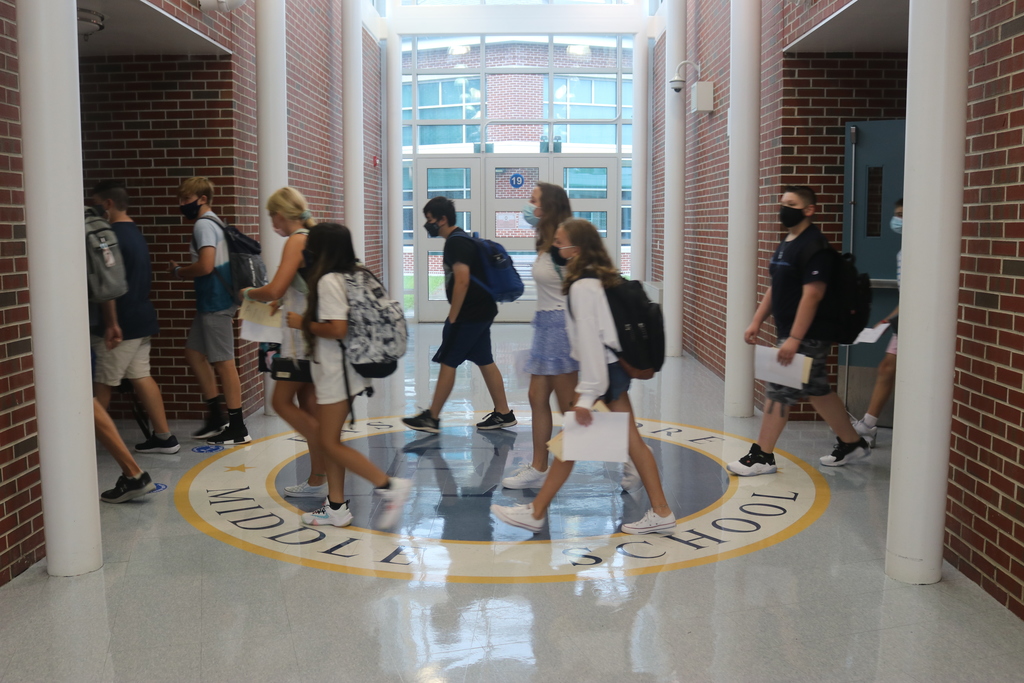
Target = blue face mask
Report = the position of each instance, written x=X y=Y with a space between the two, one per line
x=529 y=216
x=897 y=225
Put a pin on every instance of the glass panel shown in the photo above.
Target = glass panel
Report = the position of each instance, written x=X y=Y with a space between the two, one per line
x=448 y=97
x=407 y=227
x=625 y=260
x=626 y=232
x=453 y=183
x=591 y=96
x=520 y=138
x=511 y=224
x=407 y=180
x=627 y=96
x=464 y=219
x=409 y=293
x=435 y=276
x=598 y=218
x=627 y=53
x=582 y=138
x=627 y=138
x=627 y=178
x=449 y=139
x=876 y=175
x=448 y=52
x=406 y=139
x=585 y=183
x=523 y=261
x=406 y=98
x=516 y=96
x=517 y=50
x=591 y=52
x=515 y=182
x=406 y=54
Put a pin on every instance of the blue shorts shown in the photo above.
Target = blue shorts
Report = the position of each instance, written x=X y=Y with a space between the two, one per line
x=618 y=382
x=465 y=341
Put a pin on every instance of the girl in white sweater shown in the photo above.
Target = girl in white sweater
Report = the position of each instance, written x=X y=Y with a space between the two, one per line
x=594 y=343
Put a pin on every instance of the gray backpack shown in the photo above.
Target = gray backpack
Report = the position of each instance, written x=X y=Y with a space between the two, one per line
x=104 y=262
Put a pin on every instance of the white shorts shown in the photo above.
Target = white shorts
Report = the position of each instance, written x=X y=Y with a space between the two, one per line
x=892 y=346
x=129 y=359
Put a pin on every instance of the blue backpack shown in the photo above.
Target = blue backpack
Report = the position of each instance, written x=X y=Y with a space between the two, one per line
x=501 y=280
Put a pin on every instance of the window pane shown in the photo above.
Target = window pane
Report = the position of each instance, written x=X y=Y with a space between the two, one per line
x=464 y=219
x=453 y=183
x=517 y=50
x=586 y=137
x=407 y=180
x=598 y=218
x=627 y=224
x=435 y=276
x=446 y=97
x=448 y=52
x=448 y=139
x=515 y=182
x=525 y=138
x=516 y=96
x=407 y=98
x=627 y=138
x=406 y=139
x=592 y=96
x=627 y=97
x=429 y=96
x=523 y=262
x=407 y=226
x=593 y=52
x=627 y=179
x=627 y=53
x=585 y=183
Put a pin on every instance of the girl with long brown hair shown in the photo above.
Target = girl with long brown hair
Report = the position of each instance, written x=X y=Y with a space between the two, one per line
x=594 y=342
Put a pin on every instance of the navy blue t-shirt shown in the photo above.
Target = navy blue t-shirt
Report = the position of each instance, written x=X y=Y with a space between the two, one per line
x=135 y=313
x=795 y=263
x=478 y=305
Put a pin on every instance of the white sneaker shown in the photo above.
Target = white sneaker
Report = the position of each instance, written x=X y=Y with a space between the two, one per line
x=844 y=453
x=304 y=490
x=651 y=524
x=526 y=477
x=325 y=516
x=520 y=516
x=630 y=477
x=869 y=433
x=753 y=463
x=393 y=500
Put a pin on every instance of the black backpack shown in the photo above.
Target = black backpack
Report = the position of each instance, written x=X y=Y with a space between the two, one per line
x=847 y=303
x=247 y=267
x=640 y=326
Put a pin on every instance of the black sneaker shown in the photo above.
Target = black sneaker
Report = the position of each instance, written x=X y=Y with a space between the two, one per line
x=128 y=488
x=846 y=452
x=169 y=445
x=755 y=462
x=424 y=422
x=496 y=420
x=231 y=436
x=213 y=426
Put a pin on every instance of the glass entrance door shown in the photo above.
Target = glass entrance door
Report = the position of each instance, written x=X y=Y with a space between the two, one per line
x=593 y=186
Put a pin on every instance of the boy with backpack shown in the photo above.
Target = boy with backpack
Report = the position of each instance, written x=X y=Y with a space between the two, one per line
x=210 y=349
x=467 y=329
x=801 y=269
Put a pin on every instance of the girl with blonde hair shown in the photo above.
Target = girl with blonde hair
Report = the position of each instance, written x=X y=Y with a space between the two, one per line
x=594 y=341
x=292 y=220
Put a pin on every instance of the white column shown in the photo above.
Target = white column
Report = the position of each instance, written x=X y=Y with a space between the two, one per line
x=352 y=120
x=52 y=142
x=675 y=180
x=937 y=74
x=271 y=132
x=744 y=171
x=393 y=126
x=641 y=156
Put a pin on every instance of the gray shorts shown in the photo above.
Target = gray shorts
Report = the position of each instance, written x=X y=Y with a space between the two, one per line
x=213 y=335
x=817 y=383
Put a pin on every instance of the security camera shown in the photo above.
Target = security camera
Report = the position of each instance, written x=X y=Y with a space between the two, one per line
x=677 y=84
x=679 y=78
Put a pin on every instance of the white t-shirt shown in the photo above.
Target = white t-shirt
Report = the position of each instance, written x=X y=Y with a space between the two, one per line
x=549 y=283
x=326 y=370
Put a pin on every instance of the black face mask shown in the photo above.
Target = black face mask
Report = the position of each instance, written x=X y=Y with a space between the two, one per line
x=556 y=256
x=790 y=216
x=190 y=210
x=432 y=229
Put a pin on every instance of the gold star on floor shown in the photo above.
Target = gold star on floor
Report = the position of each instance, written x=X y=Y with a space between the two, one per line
x=238 y=468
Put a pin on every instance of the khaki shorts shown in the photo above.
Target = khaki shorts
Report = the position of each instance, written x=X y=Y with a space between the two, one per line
x=127 y=360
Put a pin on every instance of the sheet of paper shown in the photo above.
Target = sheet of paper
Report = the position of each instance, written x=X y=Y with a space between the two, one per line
x=605 y=439
x=767 y=368
x=556 y=443
x=260 y=313
x=261 y=333
x=869 y=335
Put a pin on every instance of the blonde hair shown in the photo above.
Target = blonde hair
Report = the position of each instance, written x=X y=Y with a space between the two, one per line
x=291 y=205
x=593 y=258
x=198 y=186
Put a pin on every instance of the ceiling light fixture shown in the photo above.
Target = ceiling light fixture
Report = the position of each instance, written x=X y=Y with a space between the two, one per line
x=89 y=22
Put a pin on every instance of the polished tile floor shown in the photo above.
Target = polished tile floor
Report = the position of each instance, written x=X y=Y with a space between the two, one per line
x=175 y=604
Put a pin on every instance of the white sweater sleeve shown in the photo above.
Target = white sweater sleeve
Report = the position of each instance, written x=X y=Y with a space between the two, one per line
x=591 y=329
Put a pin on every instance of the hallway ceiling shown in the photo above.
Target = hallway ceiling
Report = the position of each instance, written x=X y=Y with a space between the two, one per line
x=861 y=26
x=135 y=27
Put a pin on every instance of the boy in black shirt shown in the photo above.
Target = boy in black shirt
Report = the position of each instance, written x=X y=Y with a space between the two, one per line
x=467 y=329
x=800 y=271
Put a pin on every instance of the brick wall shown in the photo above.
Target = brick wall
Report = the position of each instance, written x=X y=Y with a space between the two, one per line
x=21 y=520
x=373 y=149
x=985 y=517
x=656 y=234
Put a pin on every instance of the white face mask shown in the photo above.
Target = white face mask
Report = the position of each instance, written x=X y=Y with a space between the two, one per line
x=529 y=216
x=896 y=224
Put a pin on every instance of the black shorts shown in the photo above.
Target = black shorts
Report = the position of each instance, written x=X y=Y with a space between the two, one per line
x=465 y=341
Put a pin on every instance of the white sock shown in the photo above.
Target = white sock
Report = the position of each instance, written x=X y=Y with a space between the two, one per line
x=869 y=420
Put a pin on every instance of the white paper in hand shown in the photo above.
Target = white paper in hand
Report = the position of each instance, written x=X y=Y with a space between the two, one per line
x=767 y=367
x=869 y=335
x=605 y=439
